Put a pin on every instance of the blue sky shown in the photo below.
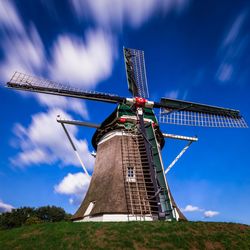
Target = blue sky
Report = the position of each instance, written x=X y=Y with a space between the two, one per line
x=194 y=50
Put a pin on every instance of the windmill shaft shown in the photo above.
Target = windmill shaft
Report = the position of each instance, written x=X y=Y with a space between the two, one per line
x=171 y=104
x=69 y=93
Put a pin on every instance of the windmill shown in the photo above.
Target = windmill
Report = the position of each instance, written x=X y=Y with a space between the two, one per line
x=129 y=181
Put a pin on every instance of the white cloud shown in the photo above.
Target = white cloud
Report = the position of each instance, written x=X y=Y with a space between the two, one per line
x=9 y=17
x=22 y=46
x=232 y=50
x=206 y=213
x=24 y=53
x=225 y=72
x=116 y=13
x=44 y=142
x=5 y=207
x=210 y=214
x=83 y=63
x=191 y=208
x=33 y=156
x=173 y=94
x=74 y=185
x=176 y=94
x=235 y=28
x=70 y=104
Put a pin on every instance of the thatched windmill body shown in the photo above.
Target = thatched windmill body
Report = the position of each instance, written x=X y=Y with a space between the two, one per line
x=129 y=182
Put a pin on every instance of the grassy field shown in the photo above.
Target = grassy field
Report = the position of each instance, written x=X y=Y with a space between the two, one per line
x=131 y=235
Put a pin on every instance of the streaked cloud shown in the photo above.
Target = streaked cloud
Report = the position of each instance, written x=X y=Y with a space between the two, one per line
x=83 y=63
x=234 y=31
x=9 y=17
x=176 y=94
x=4 y=207
x=24 y=52
x=210 y=214
x=41 y=143
x=225 y=72
x=116 y=13
x=231 y=51
x=74 y=105
x=73 y=185
x=173 y=94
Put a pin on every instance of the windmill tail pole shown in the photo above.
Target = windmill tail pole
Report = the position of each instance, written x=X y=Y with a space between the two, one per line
x=75 y=150
x=178 y=157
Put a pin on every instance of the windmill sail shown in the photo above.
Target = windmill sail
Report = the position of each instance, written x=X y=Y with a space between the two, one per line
x=195 y=114
x=136 y=72
x=26 y=82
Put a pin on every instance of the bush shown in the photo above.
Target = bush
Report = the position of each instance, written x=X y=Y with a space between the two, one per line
x=51 y=214
x=33 y=220
x=16 y=217
x=27 y=215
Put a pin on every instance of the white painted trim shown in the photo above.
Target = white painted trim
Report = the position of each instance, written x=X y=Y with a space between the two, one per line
x=116 y=218
x=89 y=208
x=112 y=134
x=134 y=118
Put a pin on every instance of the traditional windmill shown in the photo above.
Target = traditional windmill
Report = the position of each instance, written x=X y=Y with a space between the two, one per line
x=128 y=182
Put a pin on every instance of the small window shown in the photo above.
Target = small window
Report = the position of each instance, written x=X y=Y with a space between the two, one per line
x=130 y=174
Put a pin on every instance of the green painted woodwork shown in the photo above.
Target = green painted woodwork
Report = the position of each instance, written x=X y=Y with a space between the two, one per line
x=124 y=109
x=164 y=195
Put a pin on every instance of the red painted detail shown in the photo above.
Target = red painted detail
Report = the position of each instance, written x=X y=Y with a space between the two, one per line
x=122 y=120
x=140 y=102
x=154 y=124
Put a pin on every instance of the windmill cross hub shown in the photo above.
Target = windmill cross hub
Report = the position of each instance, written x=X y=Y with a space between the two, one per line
x=140 y=101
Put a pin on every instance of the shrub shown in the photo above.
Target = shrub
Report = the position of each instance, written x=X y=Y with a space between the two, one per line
x=27 y=215
x=33 y=220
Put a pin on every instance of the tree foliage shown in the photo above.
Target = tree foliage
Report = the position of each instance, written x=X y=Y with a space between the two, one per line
x=28 y=215
x=33 y=220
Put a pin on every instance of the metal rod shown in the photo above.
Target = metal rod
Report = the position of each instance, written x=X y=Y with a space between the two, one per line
x=79 y=123
x=180 y=137
x=75 y=150
x=178 y=157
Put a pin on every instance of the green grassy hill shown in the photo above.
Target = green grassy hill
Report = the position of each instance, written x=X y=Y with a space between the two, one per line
x=132 y=235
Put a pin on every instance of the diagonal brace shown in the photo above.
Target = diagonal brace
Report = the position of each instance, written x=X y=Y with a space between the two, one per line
x=74 y=148
x=178 y=157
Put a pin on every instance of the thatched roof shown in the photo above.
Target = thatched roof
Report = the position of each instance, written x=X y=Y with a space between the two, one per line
x=107 y=184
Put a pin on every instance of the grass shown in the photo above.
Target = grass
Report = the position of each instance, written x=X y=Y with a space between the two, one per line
x=131 y=235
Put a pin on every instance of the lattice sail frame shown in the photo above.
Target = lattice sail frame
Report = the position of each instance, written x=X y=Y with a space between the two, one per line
x=25 y=79
x=136 y=71
x=26 y=82
x=191 y=118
